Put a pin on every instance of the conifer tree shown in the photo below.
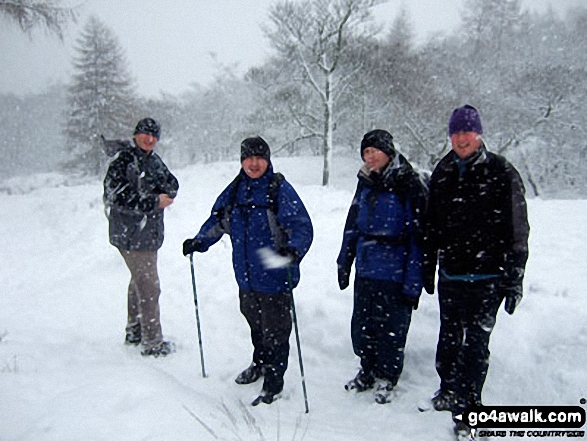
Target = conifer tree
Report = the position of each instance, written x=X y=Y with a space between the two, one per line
x=101 y=97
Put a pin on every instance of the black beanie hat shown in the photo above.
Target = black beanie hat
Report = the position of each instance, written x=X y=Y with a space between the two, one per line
x=148 y=126
x=381 y=140
x=255 y=146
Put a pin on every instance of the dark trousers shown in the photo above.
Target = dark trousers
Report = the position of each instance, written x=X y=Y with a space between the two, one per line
x=468 y=311
x=269 y=318
x=379 y=327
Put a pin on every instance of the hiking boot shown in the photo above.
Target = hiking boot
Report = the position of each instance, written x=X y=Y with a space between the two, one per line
x=361 y=382
x=160 y=350
x=133 y=334
x=265 y=397
x=383 y=392
x=273 y=381
x=249 y=375
x=443 y=400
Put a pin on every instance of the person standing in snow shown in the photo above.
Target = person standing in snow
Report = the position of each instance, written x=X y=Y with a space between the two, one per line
x=383 y=233
x=270 y=231
x=137 y=189
x=477 y=231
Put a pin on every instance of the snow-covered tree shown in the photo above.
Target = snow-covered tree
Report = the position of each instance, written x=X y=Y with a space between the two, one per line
x=31 y=14
x=101 y=99
x=314 y=36
x=31 y=138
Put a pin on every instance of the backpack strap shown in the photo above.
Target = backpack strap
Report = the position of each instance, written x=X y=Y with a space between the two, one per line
x=272 y=206
x=273 y=192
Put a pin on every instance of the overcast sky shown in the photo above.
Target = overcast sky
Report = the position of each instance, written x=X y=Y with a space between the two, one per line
x=169 y=44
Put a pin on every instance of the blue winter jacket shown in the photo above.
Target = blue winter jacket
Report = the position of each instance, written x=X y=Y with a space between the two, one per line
x=252 y=226
x=381 y=228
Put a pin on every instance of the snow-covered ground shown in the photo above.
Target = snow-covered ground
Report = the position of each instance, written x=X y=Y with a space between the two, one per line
x=66 y=376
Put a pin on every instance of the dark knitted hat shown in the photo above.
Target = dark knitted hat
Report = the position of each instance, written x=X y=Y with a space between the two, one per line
x=465 y=119
x=381 y=140
x=255 y=146
x=148 y=126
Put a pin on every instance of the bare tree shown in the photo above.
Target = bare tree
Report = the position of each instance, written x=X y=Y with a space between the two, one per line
x=31 y=14
x=314 y=36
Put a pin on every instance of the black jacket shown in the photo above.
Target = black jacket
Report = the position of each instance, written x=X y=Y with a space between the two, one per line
x=476 y=222
x=132 y=186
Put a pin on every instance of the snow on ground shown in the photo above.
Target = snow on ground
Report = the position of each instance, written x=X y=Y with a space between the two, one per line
x=66 y=376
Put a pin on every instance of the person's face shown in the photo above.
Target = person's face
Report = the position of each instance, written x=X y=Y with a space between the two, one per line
x=255 y=166
x=145 y=141
x=375 y=159
x=465 y=144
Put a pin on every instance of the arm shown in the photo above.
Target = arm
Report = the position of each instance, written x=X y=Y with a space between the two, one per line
x=168 y=183
x=412 y=285
x=348 y=250
x=430 y=243
x=294 y=218
x=213 y=228
x=517 y=254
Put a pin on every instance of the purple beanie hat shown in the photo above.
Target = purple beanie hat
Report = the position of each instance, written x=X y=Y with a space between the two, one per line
x=465 y=119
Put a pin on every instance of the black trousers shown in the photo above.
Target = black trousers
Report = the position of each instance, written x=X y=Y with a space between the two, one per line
x=269 y=317
x=468 y=311
x=379 y=327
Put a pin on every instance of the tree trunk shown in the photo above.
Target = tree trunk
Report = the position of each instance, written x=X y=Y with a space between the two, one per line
x=328 y=129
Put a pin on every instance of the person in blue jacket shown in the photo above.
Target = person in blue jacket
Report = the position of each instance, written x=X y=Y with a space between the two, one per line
x=270 y=232
x=382 y=236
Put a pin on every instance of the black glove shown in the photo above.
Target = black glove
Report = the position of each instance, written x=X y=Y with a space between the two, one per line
x=291 y=253
x=513 y=296
x=344 y=276
x=510 y=287
x=191 y=246
x=411 y=301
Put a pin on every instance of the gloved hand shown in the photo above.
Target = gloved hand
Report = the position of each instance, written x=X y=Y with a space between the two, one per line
x=344 y=276
x=291 y=253
x=511 y=287
x=411 y=301
x=192 y=245
x=513 y=296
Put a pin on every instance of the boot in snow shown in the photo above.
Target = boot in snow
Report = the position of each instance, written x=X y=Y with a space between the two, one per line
x=249 y=375
x=133 y=334
x=444 y=400
x=361 y=382
x=272 y=387
x=383 y=392
x=160 y=350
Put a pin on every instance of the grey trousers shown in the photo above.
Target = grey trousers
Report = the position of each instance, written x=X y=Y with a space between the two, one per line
x=143 y=295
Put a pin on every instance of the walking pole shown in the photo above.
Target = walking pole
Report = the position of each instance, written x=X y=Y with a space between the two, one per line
x=197 y=316
x=295 y=321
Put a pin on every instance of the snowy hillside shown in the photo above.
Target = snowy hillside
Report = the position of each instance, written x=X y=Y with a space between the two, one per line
x=65 y=374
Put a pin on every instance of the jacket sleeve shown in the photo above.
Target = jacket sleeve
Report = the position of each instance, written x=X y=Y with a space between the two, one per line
x=294 y=218
x=122 y=190
x=215 y=226
x=430 y=242
x=412 y=285
x=517 y=254
x=348 y=250
x=170 y=185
